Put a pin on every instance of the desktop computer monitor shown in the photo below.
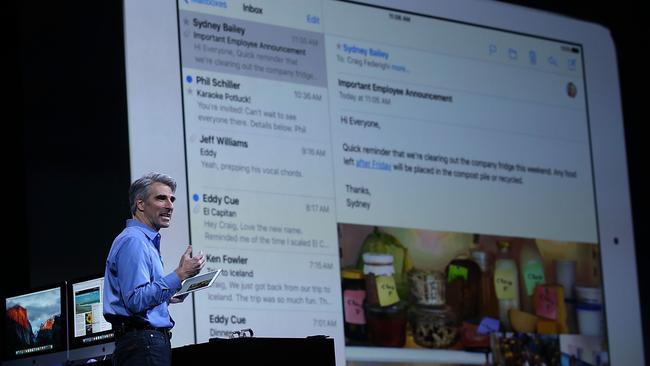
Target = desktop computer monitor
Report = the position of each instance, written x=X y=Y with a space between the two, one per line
x=35 y=327
x=90 y=335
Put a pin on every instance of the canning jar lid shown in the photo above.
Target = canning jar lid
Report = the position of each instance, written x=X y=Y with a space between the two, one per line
x=377 y=258
x=352 y=274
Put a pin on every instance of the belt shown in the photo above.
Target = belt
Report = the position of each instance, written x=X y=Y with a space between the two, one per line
x=122 y=329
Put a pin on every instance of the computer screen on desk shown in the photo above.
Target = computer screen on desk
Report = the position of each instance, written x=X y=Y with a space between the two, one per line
x=35 y=326
x=338 y=157
x=90 y=334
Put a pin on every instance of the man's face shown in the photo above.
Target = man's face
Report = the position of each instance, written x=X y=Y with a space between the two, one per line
x=156 y=210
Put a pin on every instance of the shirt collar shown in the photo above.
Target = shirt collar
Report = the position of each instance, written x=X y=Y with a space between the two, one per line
x=150 y=233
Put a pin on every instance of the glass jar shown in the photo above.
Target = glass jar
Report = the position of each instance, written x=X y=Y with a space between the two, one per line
x=433 y=326
x=506 y=283
x=387 y=324
x=463 y=287
x=427 y=287
x=489 y=304
x=354 y=295
x=378 y=273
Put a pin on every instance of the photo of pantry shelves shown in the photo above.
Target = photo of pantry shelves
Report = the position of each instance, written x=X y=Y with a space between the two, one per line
x=421 y=296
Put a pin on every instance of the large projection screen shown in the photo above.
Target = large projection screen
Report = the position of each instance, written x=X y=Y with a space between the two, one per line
x=304 y=134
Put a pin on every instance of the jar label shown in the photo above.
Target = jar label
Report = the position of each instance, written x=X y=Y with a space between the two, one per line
x=386 y=290
x=533 y=276
x=353 y=306
x=504 y=283
x=456 y=271
x=545 y=301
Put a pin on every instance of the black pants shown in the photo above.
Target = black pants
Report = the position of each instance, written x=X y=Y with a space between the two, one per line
x=143 y=347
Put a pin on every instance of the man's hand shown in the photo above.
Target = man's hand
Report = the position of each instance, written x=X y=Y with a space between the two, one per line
x=190 y=266
x=177 y=299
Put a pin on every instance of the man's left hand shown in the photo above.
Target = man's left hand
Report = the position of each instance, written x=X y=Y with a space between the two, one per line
x=177 y=299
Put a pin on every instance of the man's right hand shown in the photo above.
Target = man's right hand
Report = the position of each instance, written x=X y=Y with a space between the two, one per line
x=190 y=266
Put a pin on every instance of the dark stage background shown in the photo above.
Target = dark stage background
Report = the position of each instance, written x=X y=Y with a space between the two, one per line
x=66 y=142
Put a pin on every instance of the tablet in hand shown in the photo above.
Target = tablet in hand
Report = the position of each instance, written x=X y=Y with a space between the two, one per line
x=198 y=283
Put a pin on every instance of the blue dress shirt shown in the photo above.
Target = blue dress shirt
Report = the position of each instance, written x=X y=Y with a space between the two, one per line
x=135 y=284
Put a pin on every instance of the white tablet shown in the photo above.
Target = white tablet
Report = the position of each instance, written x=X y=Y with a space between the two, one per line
x=198 y=282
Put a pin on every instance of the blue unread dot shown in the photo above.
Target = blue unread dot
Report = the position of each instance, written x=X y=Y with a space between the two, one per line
x=195 y=197
x=188 y=78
